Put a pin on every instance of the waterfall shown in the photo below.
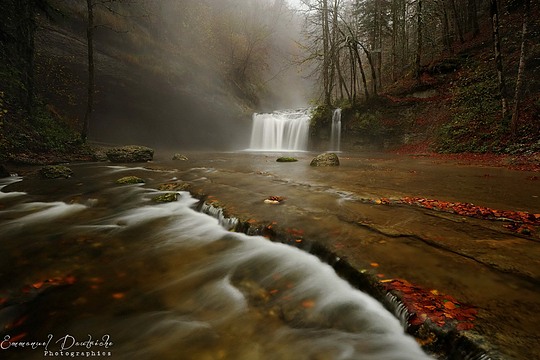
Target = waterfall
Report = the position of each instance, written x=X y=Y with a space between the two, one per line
x=286 y=130
x=335 y=138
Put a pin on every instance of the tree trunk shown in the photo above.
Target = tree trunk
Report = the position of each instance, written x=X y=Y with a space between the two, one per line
x=372 y=67
x=457 y=21
x=359 y=59
x=521 y=68
x=394 y=39
x=494 y=11
x=25 y=31
x=90 y=99
x=326 y=54
x=446 y=30
x=473 y=17
x=418 y=68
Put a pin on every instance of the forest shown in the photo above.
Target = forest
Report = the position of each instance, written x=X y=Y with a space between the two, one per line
x=447 y=76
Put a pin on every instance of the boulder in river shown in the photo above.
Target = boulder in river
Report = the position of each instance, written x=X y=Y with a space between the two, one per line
x=56 y=172
x=326 y=159
x=130 y=153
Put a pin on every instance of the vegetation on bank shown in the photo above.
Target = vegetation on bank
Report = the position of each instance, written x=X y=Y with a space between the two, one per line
x=451 y=81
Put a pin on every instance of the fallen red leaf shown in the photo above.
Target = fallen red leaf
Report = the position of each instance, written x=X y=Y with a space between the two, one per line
x=118 y=296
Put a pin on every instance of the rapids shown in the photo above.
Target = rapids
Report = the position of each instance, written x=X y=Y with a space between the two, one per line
x=87 y=259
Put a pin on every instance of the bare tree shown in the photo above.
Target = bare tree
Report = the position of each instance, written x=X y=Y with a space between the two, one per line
x=494 y=12
x=419 y=39
x=521 y=67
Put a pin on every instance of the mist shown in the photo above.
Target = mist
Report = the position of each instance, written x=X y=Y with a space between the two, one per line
x=185 y=75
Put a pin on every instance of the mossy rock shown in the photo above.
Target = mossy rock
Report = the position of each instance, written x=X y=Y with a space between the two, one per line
x=56 y=172
x=169 y=197
x=181 y=186
x=100 y=155
x=130 y=180
x=286 y=159
x=130 y=153
x=180 y=157
x=326 y=159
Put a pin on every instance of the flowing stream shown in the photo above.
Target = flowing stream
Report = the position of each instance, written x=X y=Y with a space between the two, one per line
x=86 y=259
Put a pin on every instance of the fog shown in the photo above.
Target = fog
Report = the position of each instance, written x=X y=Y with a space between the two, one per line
x=183 y=74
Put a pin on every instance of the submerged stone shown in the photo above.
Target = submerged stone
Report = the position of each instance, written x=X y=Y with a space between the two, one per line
x=130 y=153
x=130 y=180
x=180 y=157
x=56 y=172
x=326 y=159
x=286 y=159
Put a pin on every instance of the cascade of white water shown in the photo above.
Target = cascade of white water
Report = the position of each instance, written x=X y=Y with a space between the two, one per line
x=335 y=138
x=280 y=131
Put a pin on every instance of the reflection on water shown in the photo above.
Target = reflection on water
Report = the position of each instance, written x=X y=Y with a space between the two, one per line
x=162 y=281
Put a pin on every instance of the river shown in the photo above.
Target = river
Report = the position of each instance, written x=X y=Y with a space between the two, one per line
x=87 y=259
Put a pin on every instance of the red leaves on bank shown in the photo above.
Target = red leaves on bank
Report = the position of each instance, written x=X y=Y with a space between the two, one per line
x=518 y=221
x=440 y=309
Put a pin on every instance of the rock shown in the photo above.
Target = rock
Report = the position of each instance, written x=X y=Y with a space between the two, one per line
x=4 y=172
x=274 y=200
x=168 y=197
x=286 y=159
x=180 y=157
x=175 y=186
x=326 y=159
x=130 y=153
x=100 y=155
x=56 y=172
x=130 y=180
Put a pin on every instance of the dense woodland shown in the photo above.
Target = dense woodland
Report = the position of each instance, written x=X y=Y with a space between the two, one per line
x=443 y=75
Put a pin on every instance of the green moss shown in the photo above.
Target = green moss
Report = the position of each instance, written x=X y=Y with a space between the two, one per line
x=56 y=172
x=168 y=197
x=475 y=125
x=130 y=180
x=177 y=186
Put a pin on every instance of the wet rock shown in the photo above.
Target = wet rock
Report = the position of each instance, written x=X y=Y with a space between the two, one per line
x=130 y=153
x=100 y=155
x=130 y=180
x=169 y=197
x=56 y=172
x=176 y=186
x=4 y=172
x=286 y=159
x=326 y=159
x=180 y=157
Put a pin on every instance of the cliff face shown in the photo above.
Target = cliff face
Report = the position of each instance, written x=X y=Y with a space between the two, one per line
x=149 y=90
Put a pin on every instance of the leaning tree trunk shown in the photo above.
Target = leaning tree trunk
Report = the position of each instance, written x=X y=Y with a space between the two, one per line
x=494 y=11
x=521 y=68
x=359 y=59
x=90 y=98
